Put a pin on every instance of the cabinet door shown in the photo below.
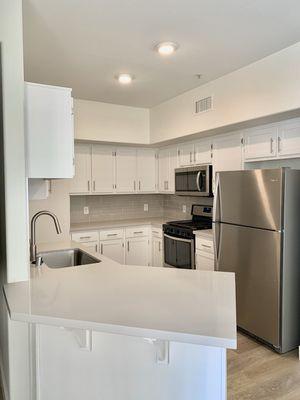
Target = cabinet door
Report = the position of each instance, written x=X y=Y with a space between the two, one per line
x=137 y=250
x=125 y=170
x=185 y=154
x=81 y=183
x=289 y=138
x=203 y=152
x=163 y=169
x=146 y=170
x=204 y=262
x=113 y=249
x=260 y=143
x=172 y=166
x=103 y=169
x=91 y=246
x=157 y=253
x=227 y=153
x=49 y=131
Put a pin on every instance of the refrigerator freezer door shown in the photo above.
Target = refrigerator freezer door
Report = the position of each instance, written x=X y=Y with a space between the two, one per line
x=250 y=198
x=254 y=255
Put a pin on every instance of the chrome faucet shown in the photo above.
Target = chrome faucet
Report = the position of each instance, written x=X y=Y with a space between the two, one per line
x=34 y=259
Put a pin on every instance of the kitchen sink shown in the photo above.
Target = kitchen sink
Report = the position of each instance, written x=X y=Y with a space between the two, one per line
x=67 y=258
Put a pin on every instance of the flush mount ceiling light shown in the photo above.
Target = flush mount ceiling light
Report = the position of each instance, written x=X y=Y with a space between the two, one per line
x=124 y=79
x=166 y=48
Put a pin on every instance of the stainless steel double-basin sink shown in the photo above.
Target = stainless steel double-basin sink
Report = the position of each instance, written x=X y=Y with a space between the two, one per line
x=67 y=258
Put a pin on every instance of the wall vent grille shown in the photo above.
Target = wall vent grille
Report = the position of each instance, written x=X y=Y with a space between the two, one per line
x=203 y=105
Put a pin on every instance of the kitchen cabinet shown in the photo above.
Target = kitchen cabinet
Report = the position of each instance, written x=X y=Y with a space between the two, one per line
x=81 y=183
x=204 y=252
x=125 y=170
x=157 y=252
x=167 y=162
x=113 y=249
x=260 y=143
x=94 y=246
x=157 y=259
x=228 y=153
x=186 y=154
x=88 y=239
x=49 y=131
x=103 y=169
x=146 y=170
x=137 y=251
x=288 y=144
x=203 y=152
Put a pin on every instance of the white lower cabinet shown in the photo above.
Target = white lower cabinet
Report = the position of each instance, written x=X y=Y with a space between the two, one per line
x=157 y=252
x=94 y=246
x=205 y=260
x=137 y=251
x=113 y=249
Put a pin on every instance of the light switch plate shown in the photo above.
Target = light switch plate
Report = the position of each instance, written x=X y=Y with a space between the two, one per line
x=146 y=207
x=184 y=208
x=86 y=210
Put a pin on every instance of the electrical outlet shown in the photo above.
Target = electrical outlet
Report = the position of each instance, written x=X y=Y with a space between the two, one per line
x=184 y=208
x=86 y=210
x=146 y=207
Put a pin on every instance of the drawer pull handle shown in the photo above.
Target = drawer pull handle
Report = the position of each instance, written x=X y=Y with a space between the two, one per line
x=206 y=245
x=138 y=232
x=85 y=237
x=112 y=234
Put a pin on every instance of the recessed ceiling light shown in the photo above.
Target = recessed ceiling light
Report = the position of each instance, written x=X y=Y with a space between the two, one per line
x=124 y=79
x=166 y=48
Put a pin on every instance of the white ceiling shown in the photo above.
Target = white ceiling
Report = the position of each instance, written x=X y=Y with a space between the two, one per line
x=83 y=44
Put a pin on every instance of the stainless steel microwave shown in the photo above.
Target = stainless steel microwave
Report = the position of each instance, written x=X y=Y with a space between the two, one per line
x=194 y=181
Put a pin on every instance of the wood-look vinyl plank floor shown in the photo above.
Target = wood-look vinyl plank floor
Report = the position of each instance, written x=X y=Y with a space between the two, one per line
x=257 y=373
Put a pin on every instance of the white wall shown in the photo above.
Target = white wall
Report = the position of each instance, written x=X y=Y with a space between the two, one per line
x=13 y=200
x=59 y=203
x=266 y=87
x=110 y=122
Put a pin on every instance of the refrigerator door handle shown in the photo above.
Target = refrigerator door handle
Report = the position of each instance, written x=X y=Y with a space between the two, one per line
x=217 y=202
x=216 y=241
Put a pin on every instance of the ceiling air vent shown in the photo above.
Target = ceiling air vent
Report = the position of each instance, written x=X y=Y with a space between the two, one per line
x=203 y=105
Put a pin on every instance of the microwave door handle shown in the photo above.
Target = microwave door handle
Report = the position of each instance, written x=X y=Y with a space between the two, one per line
x=198 y=181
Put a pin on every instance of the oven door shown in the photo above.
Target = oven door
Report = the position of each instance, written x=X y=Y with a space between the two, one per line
x=178 y=252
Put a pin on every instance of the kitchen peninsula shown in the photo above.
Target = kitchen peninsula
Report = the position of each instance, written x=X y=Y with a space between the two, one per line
x=111 y=331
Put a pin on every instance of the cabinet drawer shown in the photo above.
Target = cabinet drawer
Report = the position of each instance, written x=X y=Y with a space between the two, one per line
x=85 y=236
x=111 y=234
x=205 y=245
x=156 y=232
x=137 y=231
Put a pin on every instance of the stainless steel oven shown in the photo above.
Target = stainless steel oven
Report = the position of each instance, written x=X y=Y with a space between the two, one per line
x=179 y=252
x=194 y=181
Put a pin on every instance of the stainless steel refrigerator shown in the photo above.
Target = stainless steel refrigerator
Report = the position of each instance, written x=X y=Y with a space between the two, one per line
x=257 y=236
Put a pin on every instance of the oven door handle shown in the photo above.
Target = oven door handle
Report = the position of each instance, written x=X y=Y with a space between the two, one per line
x=179 y=239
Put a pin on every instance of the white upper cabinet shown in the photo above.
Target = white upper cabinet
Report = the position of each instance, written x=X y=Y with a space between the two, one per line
x=289 y=138
x=103 y=169
x=186 y=154
x=126 y=170
x=49 y=130
x=167 y=162
x=227 y=153
x=203 y=152
x=81 y=183
x=260 y=143
x=146 y=170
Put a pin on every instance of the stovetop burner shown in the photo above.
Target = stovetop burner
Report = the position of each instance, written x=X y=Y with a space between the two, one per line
x=193 y=225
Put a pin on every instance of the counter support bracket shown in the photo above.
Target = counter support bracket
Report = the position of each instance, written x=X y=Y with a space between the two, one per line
x=162 y=350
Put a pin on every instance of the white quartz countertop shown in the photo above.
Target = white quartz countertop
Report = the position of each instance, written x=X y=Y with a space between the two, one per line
x=86 y=226
x=165 y=303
